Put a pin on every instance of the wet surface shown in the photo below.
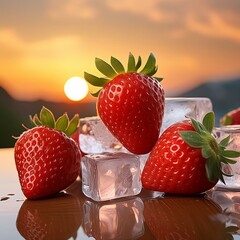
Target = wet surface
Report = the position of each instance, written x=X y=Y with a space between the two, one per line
x=149 y=215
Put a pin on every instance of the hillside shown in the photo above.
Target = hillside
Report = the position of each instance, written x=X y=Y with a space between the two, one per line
x=13 y=113
x=225 y=95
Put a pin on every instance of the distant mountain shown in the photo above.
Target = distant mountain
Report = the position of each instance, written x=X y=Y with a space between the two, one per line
x=225 y=95
x=13 y=113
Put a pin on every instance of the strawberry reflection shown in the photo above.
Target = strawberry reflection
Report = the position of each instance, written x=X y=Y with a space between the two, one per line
x=186 y=218
x=230 y=205
x=118 y=219
x=53 y=218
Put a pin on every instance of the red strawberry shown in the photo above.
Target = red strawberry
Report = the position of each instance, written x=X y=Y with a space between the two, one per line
x=130 y=104
x=187 y=159
x=231 y=118
x=47 y=160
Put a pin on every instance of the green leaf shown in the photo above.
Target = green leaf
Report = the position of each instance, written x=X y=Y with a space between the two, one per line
x=62 y=123
x=192 y=138
x=226 y=120
x=95 y=81
x=227 y=160
x=210 y=168
x=35 y=120
x=230 y=154
x=105 y=68
x=207 y=151
x=47 y=118
x=208 y=121
x=139 y=63
x=159 y=79
x=197 y=125
x=131 y=63
x=117 y=65
x=153 y=71
x=224 y=143
x=150 y=65
x=73 y=125
x=96 y=93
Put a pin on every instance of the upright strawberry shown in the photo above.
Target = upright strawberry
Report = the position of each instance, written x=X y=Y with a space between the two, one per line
x=47 y=160
x=187 y=158
x=131 y=103
x=231 y=118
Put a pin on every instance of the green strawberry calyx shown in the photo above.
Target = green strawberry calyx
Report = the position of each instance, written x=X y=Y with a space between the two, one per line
x=115 y=68
x=63 y=123
x=215 y=153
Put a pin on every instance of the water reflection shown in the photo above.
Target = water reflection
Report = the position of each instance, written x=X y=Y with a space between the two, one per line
x=230 y=204
x=186 y=218
x=53 y=218
x=118 y=219
x=150 y=215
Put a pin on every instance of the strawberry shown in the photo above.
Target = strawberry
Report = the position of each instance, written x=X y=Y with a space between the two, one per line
x=130 y=103
x=47 y=160
x=231 y=118
x=187 y=158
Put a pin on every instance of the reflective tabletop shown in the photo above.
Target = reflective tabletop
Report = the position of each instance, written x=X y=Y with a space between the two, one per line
x=149 y=215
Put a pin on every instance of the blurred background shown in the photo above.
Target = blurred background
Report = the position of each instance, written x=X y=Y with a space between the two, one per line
x=45 y=43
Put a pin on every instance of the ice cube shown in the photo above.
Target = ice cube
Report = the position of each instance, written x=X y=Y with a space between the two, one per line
x=118 y=219
x=111 y=175
x=232 y=182
x=178 y=109
x=96 y=138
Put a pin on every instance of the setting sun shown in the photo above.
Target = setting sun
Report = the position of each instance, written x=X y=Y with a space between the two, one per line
x=76 y=88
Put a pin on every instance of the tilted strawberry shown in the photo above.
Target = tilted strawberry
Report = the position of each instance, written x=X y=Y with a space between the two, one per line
x=231 y=118
x=131 y=103
x=47 y=160
x=187 y=159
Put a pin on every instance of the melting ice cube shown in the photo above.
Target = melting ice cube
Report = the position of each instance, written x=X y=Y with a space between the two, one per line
x=178 y=109
x=111 y=175
x=96 y=138
x=232 y=182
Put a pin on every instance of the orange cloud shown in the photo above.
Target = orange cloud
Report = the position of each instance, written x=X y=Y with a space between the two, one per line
x=214 y=26
x=71 y=9
x=150 y=9
x=41 y=68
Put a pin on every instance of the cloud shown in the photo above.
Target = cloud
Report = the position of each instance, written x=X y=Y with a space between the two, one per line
x=202 y=17
x=61 y=9
x=10 y=40
x=49 y=48
x=51 y=56
x=150 y=9
x=214 y=25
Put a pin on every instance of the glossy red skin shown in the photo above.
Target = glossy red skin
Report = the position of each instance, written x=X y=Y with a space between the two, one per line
x=132 y=106
x=47 y=161
x=234 y=115
x=174 y=166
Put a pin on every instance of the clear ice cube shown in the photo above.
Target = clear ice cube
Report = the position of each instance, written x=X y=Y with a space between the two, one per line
x=178 y=109
x=96 y=138
x=232 y=182
x=118 y=219
x=110 y=176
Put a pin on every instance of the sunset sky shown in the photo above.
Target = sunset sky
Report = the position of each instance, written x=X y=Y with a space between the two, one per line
x=44 y=43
